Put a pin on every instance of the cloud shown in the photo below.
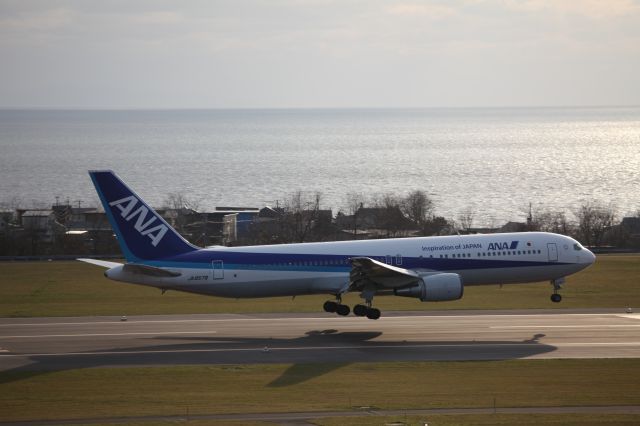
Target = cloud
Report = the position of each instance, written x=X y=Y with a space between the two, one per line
x=318 y=53
x=160 y=17
x=422 y=10
x=593 y=9
x=39 y=21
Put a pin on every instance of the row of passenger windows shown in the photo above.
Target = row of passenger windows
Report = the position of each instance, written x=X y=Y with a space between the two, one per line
x=390 y=260
x=491 y=254
x=397 y=260
x=333 y=262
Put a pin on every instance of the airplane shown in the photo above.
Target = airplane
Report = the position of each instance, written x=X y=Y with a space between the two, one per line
x=425 y=268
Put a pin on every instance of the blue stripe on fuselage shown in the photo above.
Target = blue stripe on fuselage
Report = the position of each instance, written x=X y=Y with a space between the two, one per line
x=329 y=263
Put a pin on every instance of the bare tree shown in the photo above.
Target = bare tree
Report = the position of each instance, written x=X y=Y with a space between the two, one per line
x=418 y=207
x=389 y=216
x=300 y=215
x=178 y=201
x=12 y=204
x=181 y=206
x=594 y=219
x=551 y=221
x=354 y=201
x=465 y=218
x=437 y=225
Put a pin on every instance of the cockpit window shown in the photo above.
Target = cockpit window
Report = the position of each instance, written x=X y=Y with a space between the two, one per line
x=577 y=247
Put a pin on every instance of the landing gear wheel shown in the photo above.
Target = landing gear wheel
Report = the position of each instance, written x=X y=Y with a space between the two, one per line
x=556 y=298
x=360 y=310
x=330 y=306
x=373 y=313
x=343 y=310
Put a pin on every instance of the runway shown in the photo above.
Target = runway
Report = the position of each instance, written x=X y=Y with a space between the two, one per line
x=67 y=343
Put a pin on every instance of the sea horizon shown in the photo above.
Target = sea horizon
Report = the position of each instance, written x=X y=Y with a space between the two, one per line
x=491 y=160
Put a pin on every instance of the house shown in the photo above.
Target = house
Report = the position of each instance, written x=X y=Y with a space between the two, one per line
x=378 y=221
x=630 y=226
x=36 y=219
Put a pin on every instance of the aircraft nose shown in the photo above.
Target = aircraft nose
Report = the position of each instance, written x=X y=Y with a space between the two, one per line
x=589 y=257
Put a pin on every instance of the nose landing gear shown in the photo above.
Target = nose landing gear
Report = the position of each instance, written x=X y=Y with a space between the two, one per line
x=557 y=285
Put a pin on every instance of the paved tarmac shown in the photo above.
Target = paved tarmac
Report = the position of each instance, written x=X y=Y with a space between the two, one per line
x=67 y=343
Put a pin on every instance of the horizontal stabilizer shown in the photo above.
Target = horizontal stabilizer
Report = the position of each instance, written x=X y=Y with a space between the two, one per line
x=102 y=263
x=151 y=271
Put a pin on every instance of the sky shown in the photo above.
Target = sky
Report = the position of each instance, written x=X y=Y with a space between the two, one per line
x=318 y=53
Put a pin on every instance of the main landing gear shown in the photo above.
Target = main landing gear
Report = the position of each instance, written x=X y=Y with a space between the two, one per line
x=557 y=285
x=366 y=311
x=358 y=310
x=337 y=307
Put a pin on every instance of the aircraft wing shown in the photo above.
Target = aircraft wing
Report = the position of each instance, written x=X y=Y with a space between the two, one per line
x=365 y=270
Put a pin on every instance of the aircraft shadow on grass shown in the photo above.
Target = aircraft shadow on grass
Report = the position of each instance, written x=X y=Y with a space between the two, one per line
x=316 y=353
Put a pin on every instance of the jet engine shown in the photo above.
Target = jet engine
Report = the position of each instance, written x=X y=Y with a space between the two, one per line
x=435 y=288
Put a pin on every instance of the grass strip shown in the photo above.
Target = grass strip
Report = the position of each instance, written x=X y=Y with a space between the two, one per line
x=113 y=392
x=490 y=420
x=437 y=420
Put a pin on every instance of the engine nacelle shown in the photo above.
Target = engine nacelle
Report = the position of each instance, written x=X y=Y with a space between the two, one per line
x=435 y=288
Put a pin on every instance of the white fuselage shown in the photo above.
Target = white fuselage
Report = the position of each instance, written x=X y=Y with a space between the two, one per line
x=309 y=268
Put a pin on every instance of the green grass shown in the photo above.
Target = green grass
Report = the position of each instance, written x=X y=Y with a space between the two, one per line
x=491 y=420
x=76 y=289
x=112 y=392
x=439 y=420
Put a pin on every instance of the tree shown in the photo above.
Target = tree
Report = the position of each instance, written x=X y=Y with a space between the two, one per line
x=436 y=225
x=551 y=221
x=12 y=204
x=418 y=207
x=179 y=201
x=388 y=214
x=594 y=219
x=181 y=206
x=465 y=218
x=301 y=214
x=354 y=201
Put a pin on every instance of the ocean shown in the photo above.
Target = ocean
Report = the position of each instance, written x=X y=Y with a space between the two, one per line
x=492 y=162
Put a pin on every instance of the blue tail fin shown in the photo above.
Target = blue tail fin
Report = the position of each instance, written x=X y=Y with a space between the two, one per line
x=142 y=233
